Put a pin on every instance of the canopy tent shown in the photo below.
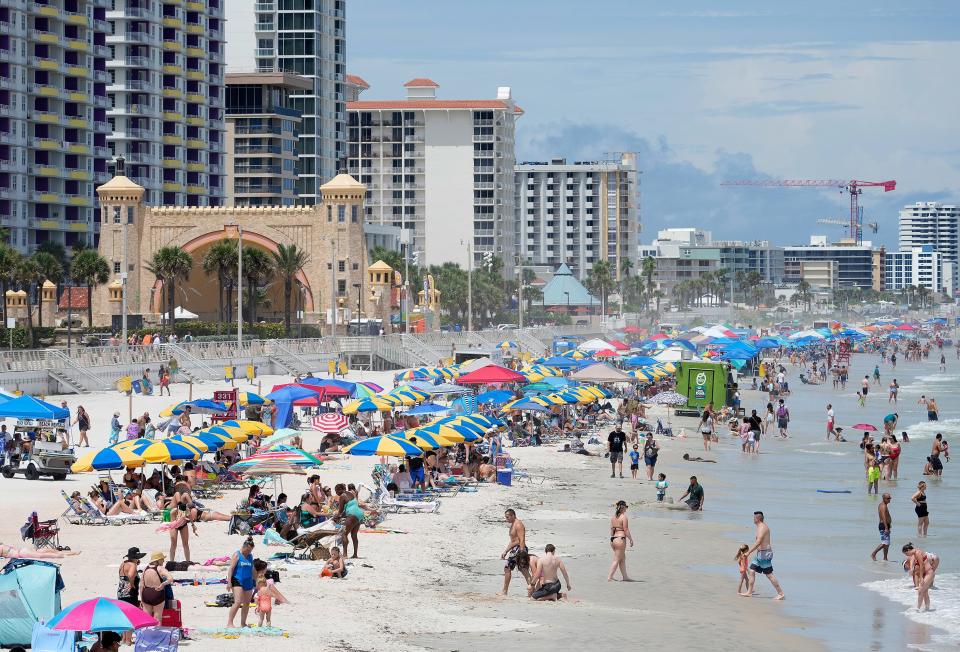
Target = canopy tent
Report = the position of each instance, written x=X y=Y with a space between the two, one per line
x=491 y=374
x=560 y=362
x=593 y=345
x=181 y=313
x=601 y=373
x=28 y=407
x=29 y=593
x=428 y=408
x=283 y=397
x=330 y=386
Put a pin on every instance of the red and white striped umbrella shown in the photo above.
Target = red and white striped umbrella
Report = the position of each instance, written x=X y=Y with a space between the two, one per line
x=330 y=422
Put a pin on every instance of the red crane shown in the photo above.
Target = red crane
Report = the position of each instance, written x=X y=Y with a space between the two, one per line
x=854 y=188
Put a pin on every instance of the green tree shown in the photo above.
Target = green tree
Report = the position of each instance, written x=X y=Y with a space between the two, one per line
x=287 y=262
x=258 y=269
x=28 y=275
x=804 y=294
x=170 y=265
x=51 y=269
x=221 y=261
x=647 y=269
x=9 y=258
x=55 y=249
x=600 y=280
x=92 y=270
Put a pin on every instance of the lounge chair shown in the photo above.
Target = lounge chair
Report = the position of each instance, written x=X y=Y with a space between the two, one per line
x=385 y=503
x=116 y=519
x=80 y=515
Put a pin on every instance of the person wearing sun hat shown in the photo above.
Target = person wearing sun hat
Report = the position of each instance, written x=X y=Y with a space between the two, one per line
x=153 y=595
x=128 y=589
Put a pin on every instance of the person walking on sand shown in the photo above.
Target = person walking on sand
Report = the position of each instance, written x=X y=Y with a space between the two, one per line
x=831 y=424
x=943 y=362
x=547 y=584
x=241 y=582
x=82 y=422
x=615 y=443
x=517 y=543
x=886 y=523
x=619 y=535
x=763 y=561
x=651 y=450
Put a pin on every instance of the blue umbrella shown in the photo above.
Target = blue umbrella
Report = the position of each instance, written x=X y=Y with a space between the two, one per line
x=495 y=397
x=428 y=408
x=201 y=406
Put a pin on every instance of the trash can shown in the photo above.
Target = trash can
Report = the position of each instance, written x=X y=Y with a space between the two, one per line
x=505 y=476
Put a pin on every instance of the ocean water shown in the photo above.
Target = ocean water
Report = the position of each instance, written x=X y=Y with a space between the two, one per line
x=944 y=616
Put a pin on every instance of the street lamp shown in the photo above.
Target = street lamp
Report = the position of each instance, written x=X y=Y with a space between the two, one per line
x=520 y=298
x=469 y=283
x=358 y=286
x=231 y=229
x=568 y=303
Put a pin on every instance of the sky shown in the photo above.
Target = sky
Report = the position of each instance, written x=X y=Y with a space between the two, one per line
x=704 y=91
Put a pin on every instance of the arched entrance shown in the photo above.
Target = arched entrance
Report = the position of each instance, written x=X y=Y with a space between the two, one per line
x=200 y=293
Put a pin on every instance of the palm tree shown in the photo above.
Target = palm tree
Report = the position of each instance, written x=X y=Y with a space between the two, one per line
x=91 y=269
x=287 y=262
x=647 y=270
x=50 y=270
x=804 y=294
x=169 y=265
x=257 y=271
x=9 y=257
x=600 y=279
x=28 y=276
x=221 y=259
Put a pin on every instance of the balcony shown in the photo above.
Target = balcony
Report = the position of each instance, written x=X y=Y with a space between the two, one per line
x=196 y=143
x=172 y=186
x=172 y=92
x=173 y=116
x=173 y=46
x=77 y=71
x=196 y=52
x=172 y=139
x=193 y=28
x=172 y=163
x=256 y=169
x=78 y=148
x=45 y=37
x=76 y=45
x=173 y=22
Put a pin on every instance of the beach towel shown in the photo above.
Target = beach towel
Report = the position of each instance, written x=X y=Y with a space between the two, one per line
x=171 y=526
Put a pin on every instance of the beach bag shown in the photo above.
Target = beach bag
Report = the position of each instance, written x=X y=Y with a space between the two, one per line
x=319 y=553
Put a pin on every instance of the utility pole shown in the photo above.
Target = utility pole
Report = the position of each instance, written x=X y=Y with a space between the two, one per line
x=520 y=299
x=123 y=281
x=333 y=286
x=469 y=286
x=406 y=280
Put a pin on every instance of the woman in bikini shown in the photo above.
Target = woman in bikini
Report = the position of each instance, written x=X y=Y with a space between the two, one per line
x=180 y=518
x=619 y=535
x=894 y=457
x=922 y=567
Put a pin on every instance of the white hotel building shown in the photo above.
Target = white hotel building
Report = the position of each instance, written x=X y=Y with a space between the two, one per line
x=918 y=267
x=442 y=168
x=932 y=224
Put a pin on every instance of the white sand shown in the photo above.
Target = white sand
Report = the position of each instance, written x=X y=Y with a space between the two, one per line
x=436 y=583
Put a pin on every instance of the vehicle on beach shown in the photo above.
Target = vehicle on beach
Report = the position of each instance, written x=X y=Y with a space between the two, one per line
x=39 y=459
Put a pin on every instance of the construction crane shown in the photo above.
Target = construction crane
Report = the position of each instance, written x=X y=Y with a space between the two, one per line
x=873 y=226
x=854 y=188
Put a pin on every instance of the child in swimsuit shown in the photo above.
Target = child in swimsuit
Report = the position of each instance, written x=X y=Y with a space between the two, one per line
x=742 y=560
x=335 y=567
x=662 y=485
x=634 y=461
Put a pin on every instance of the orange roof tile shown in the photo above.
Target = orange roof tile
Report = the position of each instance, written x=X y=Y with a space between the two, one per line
x=76 y=296
x=368 y=105
x=517 y=109
x=356 y=80
x=420 y=82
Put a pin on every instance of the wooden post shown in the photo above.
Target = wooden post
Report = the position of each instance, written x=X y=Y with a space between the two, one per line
x=190 y=396
x=130 y=406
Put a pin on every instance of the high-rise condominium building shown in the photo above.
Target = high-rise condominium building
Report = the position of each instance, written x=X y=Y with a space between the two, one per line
x=308 y=37
x=918 y=267
x=929 y=223
x=262 y=133
x=53 y=125
x=577 y=213
x=166 y=95
x=441 y=168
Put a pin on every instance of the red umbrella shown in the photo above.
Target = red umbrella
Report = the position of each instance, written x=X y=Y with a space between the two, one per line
x=491 y=374
x=905 y=327
x=658 y=336
x=865 y=427
x=633 y=330
x=606 y=353
x=619 y=346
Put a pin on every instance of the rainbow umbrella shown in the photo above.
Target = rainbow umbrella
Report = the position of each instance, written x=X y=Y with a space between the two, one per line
x=279 y=436
x=161 y=451
x=107 y=459
x=101 y=615
x=385 y=445
x=362 y=391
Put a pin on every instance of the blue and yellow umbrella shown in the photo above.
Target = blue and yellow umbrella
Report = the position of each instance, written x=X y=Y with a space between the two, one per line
x=161 y=451
x=385 y=445
x=108 y=459
x=377 y=403
x=235 y=433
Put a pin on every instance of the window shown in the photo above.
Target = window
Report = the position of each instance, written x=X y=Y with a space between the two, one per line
x=341 y=266
x=116 y=215
x=356 y=266
x=116 y=268
x=341 y=286
x=353 y=213
x=341 y=213
x=329 y=213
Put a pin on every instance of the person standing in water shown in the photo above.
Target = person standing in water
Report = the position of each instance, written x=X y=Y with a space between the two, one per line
x=919 y=499
x=933 y=413
x=831 y=424
x=763 y=562
x=619 y=535
x=886 y=523
x=894 y=389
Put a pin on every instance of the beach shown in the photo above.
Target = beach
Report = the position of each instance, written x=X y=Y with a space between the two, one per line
x=432 y=584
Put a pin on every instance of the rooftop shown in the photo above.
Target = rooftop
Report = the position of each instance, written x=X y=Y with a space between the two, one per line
x=372 y=105
x=356 y=80
x=421 y=82
x=563 y=289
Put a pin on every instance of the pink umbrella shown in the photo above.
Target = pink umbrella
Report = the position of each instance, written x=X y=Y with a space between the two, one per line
x=330 y=422
x=101 y=615
x=865 y=427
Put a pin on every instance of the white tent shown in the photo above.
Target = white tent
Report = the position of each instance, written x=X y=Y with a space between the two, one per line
x=181 y=313
x=594 y=345
x=671 y=354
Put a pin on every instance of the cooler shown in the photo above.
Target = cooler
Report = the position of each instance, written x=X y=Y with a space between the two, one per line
x=505 y=476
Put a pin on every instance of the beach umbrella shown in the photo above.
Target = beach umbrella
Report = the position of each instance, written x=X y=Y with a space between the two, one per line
x=525 y=405
x=452 y=432
x=249 y=427
x=281 y=435
x=107 y=459
x=606 y=353
x=428 y=408
x=101 y=615
x=215 y=440
x=330 y=422
x=413 y=374
x=201 y=406
x=465 y=425
x=233 y=432
x=491 y=374
x=385 y=445
x=162 y=451
x=195 y=442
x=640 y=375
x=495 y=397
x=362 y=391
x=249 y=398
x=668 y=398
x=508 y=344
x=268 y=466
x=377 y=403
x=284 y=453
x=866 y=427
x=425 y=440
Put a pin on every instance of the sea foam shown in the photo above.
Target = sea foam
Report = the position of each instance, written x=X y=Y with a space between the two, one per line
x=944 y=600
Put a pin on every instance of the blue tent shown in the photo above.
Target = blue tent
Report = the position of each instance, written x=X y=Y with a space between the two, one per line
x=283 y=398
x=29 y=593
x=560 y=362
x=27 y=407
x=639 y=361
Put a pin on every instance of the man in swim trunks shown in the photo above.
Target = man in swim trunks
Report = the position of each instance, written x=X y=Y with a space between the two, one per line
x=883 y=512
x=763 y=561
x=518 y=542
x=934 y=465
x=933 y=414
x=545 y=576
x=615 y=443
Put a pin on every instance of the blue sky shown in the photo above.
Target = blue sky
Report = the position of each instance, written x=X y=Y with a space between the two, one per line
x=704 y=91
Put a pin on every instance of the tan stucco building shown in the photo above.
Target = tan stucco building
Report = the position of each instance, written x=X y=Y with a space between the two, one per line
x=331 y=232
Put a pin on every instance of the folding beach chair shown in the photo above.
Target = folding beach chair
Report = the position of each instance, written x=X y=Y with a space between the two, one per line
x=43 y=534
x=157 y=639
x=79 y=515
x=116 y=519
